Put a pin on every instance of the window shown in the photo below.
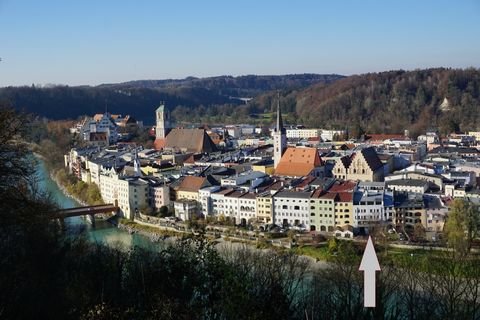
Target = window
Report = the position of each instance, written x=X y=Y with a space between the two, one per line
x=284 y=207
x=296 y=207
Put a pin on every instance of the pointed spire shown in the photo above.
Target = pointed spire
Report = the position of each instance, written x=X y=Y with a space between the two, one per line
x=279 y=127
x=136 y=165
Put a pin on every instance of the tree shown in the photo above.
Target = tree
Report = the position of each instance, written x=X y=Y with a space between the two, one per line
x=164 y=211
x=419 y=232
x=462 y=225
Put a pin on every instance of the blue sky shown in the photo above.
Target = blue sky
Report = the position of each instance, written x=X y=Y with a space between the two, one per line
x=103 y=41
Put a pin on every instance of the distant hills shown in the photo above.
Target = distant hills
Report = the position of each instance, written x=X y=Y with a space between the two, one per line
x=389 y=102
x=385 y=102
x=140 y=98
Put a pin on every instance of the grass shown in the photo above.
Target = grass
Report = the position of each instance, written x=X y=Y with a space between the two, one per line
x=319 y=253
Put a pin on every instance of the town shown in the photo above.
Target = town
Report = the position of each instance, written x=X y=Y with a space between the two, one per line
x=309 y=180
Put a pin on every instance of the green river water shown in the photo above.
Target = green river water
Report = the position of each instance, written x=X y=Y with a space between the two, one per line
x=103 y=232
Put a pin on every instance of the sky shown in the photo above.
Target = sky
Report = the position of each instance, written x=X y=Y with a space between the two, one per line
x=107 y=41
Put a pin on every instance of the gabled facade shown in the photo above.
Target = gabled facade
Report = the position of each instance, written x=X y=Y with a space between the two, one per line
x=364 y=165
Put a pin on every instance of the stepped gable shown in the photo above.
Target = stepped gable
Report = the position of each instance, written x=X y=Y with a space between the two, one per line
x=372 y=159
x=298 y=162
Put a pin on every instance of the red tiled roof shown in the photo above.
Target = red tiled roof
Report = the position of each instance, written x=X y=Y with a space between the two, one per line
x=191 y=183
x=298 y=162
x=159 y=144
x=344 y=197
x=345 y=186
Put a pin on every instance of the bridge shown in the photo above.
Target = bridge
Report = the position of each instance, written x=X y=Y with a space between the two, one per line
x=90 y=211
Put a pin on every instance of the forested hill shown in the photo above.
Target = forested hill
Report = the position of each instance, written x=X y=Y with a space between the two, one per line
x=140 y=98
x=389 y=102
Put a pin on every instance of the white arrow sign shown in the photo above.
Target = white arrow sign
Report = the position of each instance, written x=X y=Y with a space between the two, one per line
x=369 y=265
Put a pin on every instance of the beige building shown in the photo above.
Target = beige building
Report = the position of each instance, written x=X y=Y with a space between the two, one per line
x=189 y=187
x=364 y=165
x=264 y=207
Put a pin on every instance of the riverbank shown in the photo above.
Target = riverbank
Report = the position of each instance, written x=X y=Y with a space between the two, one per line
x=64 y=190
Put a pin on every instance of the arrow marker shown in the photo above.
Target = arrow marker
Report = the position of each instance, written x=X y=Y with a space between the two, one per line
x=369 y=265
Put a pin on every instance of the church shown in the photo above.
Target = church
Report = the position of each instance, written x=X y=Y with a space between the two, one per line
x=179 y=139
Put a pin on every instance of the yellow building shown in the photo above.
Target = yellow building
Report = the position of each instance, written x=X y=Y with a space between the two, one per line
x=188 y=188
x=264 y=207
x=265 y=166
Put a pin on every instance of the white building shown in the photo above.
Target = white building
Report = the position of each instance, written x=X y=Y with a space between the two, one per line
x=329 y=135
x=408 y=185
x=303 y=133
x=291 y=208
x=368 y=209
x=185 y=209
x=100 y=126
x=205 y=199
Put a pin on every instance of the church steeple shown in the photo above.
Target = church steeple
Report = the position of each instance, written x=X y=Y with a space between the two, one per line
x=279 y=136
x=136 y=165
x=279 y=126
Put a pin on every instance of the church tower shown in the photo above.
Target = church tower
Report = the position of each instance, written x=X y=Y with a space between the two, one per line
x=279 y=137
x=163 y=121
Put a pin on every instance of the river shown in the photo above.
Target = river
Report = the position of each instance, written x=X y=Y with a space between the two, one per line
x=103 y=232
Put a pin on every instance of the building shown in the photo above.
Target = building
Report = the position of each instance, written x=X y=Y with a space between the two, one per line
x=297 y=162
x=363 y=165
x=264 y=206
x=185 y=209
x=190 y=186
x=279 y=137
x=100 y=130
x=408 y=185
x=322 y=211
x=291 y=208
x=368 y=210
x=303 y=133
x=205 y=199
x=180 y=139
x=163 y=124
x=409 y=211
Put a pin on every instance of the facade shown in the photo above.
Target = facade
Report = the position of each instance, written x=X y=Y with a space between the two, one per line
x=264 y=207
x=185 y=209
x=409 y=210
x=291 y=208
x=369 y=210
x=190 y=186
x=303 y=133
x=101 y=129
x=408 y=185
x=247 y=207
x=344 y=214
x=219 y=207
x=205 y=200
x=322 y=211
x=364 y=165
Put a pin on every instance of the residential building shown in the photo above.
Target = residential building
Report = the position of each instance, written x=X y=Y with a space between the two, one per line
x=322 y=211
x=185 y=209
x=408 y=185
x=291 y=208
x=264 y=206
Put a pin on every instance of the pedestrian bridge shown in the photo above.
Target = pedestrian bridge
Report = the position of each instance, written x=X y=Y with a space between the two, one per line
x=88 y=210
